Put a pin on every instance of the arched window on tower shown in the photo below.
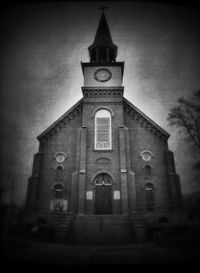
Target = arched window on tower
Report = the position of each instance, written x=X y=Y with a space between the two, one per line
x=149 y=197
x=147 y=171
x=59 y=173
x=103 y=139
x=58 y=191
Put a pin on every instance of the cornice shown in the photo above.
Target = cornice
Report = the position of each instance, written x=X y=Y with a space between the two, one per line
x=103 y=92
x=62 y=122
x=144 y=121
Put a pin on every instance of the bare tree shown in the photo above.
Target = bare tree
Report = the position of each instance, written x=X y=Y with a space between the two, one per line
x=186 y=116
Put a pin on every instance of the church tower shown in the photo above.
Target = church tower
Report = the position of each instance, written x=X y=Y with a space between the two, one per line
x=103 y=123
x=104 y=171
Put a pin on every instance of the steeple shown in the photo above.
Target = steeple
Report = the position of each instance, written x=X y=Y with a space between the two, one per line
x=102 y=50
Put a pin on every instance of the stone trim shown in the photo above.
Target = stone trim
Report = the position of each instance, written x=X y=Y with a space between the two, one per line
x=100 y=172
x=57 y=183
x=59 y=165
x=60 y=152
x=103 y=92
x=146 y=151
x=100 y=108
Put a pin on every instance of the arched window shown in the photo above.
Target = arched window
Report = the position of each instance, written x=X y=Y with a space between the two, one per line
x=103 y=130
x=59 y=173
x=147 y=171
x=103 y=179
x=149 y=197
x=58 y=203
x=58 y=191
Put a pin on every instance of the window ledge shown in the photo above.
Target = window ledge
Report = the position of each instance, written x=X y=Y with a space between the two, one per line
x=95 y=150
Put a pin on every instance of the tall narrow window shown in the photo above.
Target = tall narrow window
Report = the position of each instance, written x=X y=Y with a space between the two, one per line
x=147 y=171
x=59 y=173
x=58 y=191
x=103 y=130
x=149 y=197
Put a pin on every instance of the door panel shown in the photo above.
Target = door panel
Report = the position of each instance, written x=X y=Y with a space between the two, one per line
x=103 y=202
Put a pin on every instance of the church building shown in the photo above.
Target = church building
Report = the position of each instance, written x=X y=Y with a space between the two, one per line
x=103 y=170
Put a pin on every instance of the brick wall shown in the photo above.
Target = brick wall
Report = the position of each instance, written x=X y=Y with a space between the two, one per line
x=65 y=140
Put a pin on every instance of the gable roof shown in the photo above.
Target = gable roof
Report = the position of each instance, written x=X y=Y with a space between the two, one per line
x=80 y=102
x=60 y=119
x=147 y=118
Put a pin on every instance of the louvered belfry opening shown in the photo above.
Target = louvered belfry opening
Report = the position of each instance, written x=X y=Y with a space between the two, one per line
x=103 y=130
x=103 y=50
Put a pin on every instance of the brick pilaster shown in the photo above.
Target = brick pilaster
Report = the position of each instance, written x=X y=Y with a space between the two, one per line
x=82 y=171
x=123 y=170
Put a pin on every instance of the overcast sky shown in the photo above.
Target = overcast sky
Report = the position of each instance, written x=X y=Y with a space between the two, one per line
x=41 y=77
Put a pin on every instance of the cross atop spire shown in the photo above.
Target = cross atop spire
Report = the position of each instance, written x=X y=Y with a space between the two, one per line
x=103 y=8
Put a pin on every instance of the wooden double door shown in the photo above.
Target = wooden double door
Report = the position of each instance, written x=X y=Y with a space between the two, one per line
x=103 y=196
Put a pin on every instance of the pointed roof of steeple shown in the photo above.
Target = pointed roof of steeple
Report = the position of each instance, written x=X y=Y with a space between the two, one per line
x=103 y=33
x=103 y=36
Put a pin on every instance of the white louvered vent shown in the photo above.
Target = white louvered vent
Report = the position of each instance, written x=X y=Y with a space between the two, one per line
x=103 y=130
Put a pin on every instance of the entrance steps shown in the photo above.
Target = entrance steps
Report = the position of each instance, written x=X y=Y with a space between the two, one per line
x=100 y=230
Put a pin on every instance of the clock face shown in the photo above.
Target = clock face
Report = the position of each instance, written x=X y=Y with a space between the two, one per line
x=102 y=75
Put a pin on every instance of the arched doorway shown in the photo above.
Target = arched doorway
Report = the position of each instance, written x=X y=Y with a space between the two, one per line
x=103 y=200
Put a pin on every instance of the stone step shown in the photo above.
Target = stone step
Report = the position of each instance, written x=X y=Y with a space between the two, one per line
x=98 y=229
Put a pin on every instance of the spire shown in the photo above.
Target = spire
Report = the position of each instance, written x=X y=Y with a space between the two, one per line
x=103 y=33
x=103 y=49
